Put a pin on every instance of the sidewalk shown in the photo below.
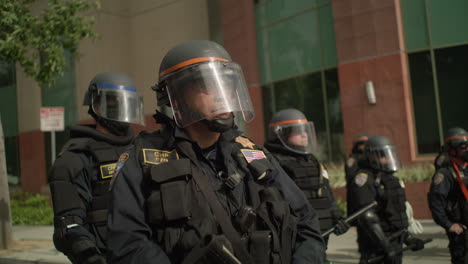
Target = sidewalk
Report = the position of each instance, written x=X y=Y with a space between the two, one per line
x=343 y=249
x=33 y=245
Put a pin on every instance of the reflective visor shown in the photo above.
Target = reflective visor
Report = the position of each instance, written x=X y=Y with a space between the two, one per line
x=385 y=158
x=207 y=90
x=297 y=135
x=118 y=103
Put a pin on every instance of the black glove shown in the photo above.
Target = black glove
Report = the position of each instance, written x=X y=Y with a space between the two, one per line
x=85 y=251
x=414 y=243
x=341 y=227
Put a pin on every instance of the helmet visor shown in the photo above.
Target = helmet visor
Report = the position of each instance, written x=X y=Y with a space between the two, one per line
x=298 y=137
x=118 y=103
x=385 y=158
x=207 y=90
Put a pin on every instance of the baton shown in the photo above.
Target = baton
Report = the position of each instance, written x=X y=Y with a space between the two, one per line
x=352 y=217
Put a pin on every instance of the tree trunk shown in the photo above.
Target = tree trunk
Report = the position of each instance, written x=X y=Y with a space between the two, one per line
x=6 y=240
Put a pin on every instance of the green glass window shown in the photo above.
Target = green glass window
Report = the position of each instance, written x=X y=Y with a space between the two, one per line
x=306 y=93
x=9 y=119
x=415 y=24
x=335 y=119
x=62 y=93
x=453 y=85
x=448 y=20
x=424 y=102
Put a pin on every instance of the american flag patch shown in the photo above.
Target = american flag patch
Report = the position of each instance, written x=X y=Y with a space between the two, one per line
x=251 y=155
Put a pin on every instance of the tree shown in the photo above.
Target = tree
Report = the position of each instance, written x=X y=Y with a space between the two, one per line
x=38 y=41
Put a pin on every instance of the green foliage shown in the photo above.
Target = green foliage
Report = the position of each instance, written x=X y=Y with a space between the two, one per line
x=38 y=41
x=342 y=206
x=31 y=209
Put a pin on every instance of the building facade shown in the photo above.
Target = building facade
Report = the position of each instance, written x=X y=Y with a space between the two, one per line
x=314 y=55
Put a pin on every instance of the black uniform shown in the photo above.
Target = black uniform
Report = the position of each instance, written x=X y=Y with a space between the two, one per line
x=79 y=182
x=161 y=210
x=368 y=186
x=312 y=178
x=448 y=206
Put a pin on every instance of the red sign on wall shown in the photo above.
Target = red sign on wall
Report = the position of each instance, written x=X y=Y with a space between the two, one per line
x=52 y=118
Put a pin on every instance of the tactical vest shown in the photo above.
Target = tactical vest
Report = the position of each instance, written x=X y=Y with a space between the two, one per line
x=391 y=198
x=104 y=159
x=181 y=216
x=308 y=175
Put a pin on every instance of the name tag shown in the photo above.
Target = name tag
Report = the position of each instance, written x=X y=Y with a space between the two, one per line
x=156 y=156
x=108 y=170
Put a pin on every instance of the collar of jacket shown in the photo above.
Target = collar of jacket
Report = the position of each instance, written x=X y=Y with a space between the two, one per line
x=90 y=131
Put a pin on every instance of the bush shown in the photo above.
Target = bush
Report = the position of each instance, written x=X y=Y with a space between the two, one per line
x=31 y=209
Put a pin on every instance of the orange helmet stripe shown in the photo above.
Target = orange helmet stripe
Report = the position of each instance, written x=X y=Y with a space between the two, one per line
x=455 y=137
x=288 y=122
x=189 y=62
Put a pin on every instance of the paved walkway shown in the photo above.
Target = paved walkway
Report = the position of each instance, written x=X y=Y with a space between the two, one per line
x=343 y=249
x=33 y=245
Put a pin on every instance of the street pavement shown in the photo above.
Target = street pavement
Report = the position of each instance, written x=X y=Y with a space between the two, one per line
x=341 y=249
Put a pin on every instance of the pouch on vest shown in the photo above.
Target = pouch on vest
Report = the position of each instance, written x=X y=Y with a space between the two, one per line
x=171 y=201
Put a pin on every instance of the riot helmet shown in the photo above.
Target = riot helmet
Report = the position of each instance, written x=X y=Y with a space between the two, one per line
x=200 y=82
x=456 y=142
x=382 y=154
x=114 y=102
x=292 y=129
x=359 y=143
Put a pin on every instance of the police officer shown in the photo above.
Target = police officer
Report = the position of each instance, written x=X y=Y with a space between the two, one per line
x=448 y=194
x=197 y=191
x=79 y=178
x=378 y=183
x=356 y=160
x=291 y=140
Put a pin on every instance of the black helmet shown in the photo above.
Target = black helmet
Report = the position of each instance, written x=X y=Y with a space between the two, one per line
x=359 y=139
x=292 y=129
x=455 y=137
x=112 y=98
x=202 y=68
x=382 y=154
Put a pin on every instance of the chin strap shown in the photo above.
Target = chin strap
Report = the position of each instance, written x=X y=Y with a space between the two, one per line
x=115 y=127
x=220 y=124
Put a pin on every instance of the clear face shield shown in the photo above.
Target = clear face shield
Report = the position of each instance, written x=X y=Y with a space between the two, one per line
x=208 y=90
x=298 y=137
x=385 y=159
x=118 y=103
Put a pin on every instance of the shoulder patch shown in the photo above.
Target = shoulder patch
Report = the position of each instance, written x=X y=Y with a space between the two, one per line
x=350 y=162
x=324 y=172
x=119 y=165
x=245 y=142
x=251 y=155
x=438 y=178
x=107 y=170
x=156 y=156
x=361 y=179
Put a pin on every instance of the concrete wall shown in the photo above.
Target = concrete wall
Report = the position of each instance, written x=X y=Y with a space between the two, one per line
x=133 y=38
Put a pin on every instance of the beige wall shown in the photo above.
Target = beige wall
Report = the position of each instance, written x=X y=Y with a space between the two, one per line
x=29 y=102
x=134 y=36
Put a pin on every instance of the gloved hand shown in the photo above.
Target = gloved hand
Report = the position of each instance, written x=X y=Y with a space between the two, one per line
x=85 y=251
x=415 y=226
x=341 y=227
x=414 y=243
